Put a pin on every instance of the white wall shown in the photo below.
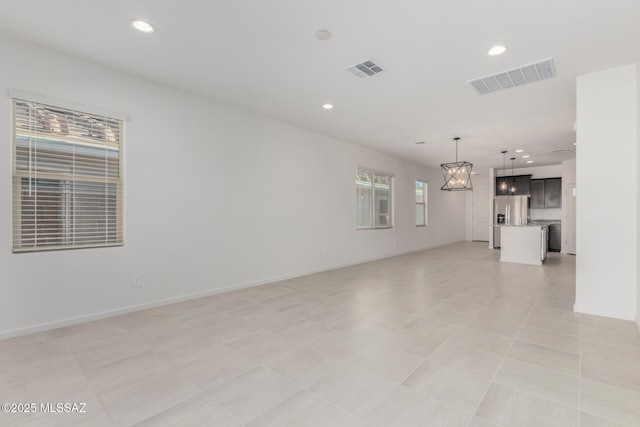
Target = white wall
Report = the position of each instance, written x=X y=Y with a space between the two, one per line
x=607 y=215
x=468 y=223
x=215 y=198
x=568 y=178
x=569 y=172
x=480 y=212
x=480 y=186
x=638 y=207
x=539 y=172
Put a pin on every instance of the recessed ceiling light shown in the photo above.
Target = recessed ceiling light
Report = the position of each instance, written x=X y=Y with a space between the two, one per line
x=526 y=156
x=497 y=50
x=529 y=161
x=420 y=142
x=143 y=26
x=574 y=143
x=323 y=35
x=519 y=151
x=327 y=106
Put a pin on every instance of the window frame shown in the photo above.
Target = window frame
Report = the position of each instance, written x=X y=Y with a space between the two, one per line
x=66 y=181
x=424 y=204
x=374 y=207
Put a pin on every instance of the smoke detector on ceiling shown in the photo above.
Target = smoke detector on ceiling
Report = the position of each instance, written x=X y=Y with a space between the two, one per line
x=530 y=73
x=365 y=69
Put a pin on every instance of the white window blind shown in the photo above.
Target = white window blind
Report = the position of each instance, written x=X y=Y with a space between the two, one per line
x=67 y=178
x=373 y=200
x=421 y=203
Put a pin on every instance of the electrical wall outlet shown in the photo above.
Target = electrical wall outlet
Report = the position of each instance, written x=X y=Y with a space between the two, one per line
x=136 y=281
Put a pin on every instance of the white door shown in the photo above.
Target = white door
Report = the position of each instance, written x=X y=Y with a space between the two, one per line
x=570 y=219
x=480 y=213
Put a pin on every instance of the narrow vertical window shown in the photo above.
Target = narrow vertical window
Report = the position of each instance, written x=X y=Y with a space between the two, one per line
x=374 y=200
x=421 y=203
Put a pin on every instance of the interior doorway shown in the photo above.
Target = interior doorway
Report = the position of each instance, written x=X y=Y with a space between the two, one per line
x=480 y=213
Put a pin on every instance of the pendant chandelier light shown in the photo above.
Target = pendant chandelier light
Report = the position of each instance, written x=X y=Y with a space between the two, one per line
x=512 y=189
x=457 y=175
x=503 y=184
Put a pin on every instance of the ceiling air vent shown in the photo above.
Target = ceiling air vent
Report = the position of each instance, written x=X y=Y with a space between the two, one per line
x=365 y=69
x=518 y=76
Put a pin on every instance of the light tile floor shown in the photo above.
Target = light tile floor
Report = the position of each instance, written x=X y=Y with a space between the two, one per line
x=444 y=337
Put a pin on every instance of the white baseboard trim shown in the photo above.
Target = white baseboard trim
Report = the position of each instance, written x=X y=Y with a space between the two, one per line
x=597 y=311
x=11 y=333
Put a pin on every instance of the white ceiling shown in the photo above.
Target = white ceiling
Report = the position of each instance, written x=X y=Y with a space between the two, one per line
x=262 y=56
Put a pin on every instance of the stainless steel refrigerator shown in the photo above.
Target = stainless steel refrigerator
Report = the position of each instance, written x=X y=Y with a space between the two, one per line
x=509 y=210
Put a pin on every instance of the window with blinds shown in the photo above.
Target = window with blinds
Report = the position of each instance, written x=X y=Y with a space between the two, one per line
x=67 y=178
x=374 y=202
x=421 y=203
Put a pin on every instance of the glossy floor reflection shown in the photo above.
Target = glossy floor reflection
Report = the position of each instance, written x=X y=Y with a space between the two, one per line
x=446 y=337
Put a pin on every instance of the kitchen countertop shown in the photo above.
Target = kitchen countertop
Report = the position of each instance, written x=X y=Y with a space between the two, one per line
x=534 y=223
x=545 y=221
x=527 y=225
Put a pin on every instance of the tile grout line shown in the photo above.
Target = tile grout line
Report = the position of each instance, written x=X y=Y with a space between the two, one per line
x=305 y=388
x=580 y=371
x=182 y=377
x=204 y=392
x=446 y=404
x=258 y=365
x=464 y=326
x=84 y=373
x=400 y=384
x=260 y=303
x=506 y=353
x=301 y=386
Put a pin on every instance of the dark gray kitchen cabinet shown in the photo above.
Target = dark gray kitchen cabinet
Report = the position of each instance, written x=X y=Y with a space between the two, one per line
x=546 y=193
x=553 y=193
x=523 y=185
x=537 y=194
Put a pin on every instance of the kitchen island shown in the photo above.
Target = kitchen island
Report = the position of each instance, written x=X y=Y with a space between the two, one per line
x=523 y=244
